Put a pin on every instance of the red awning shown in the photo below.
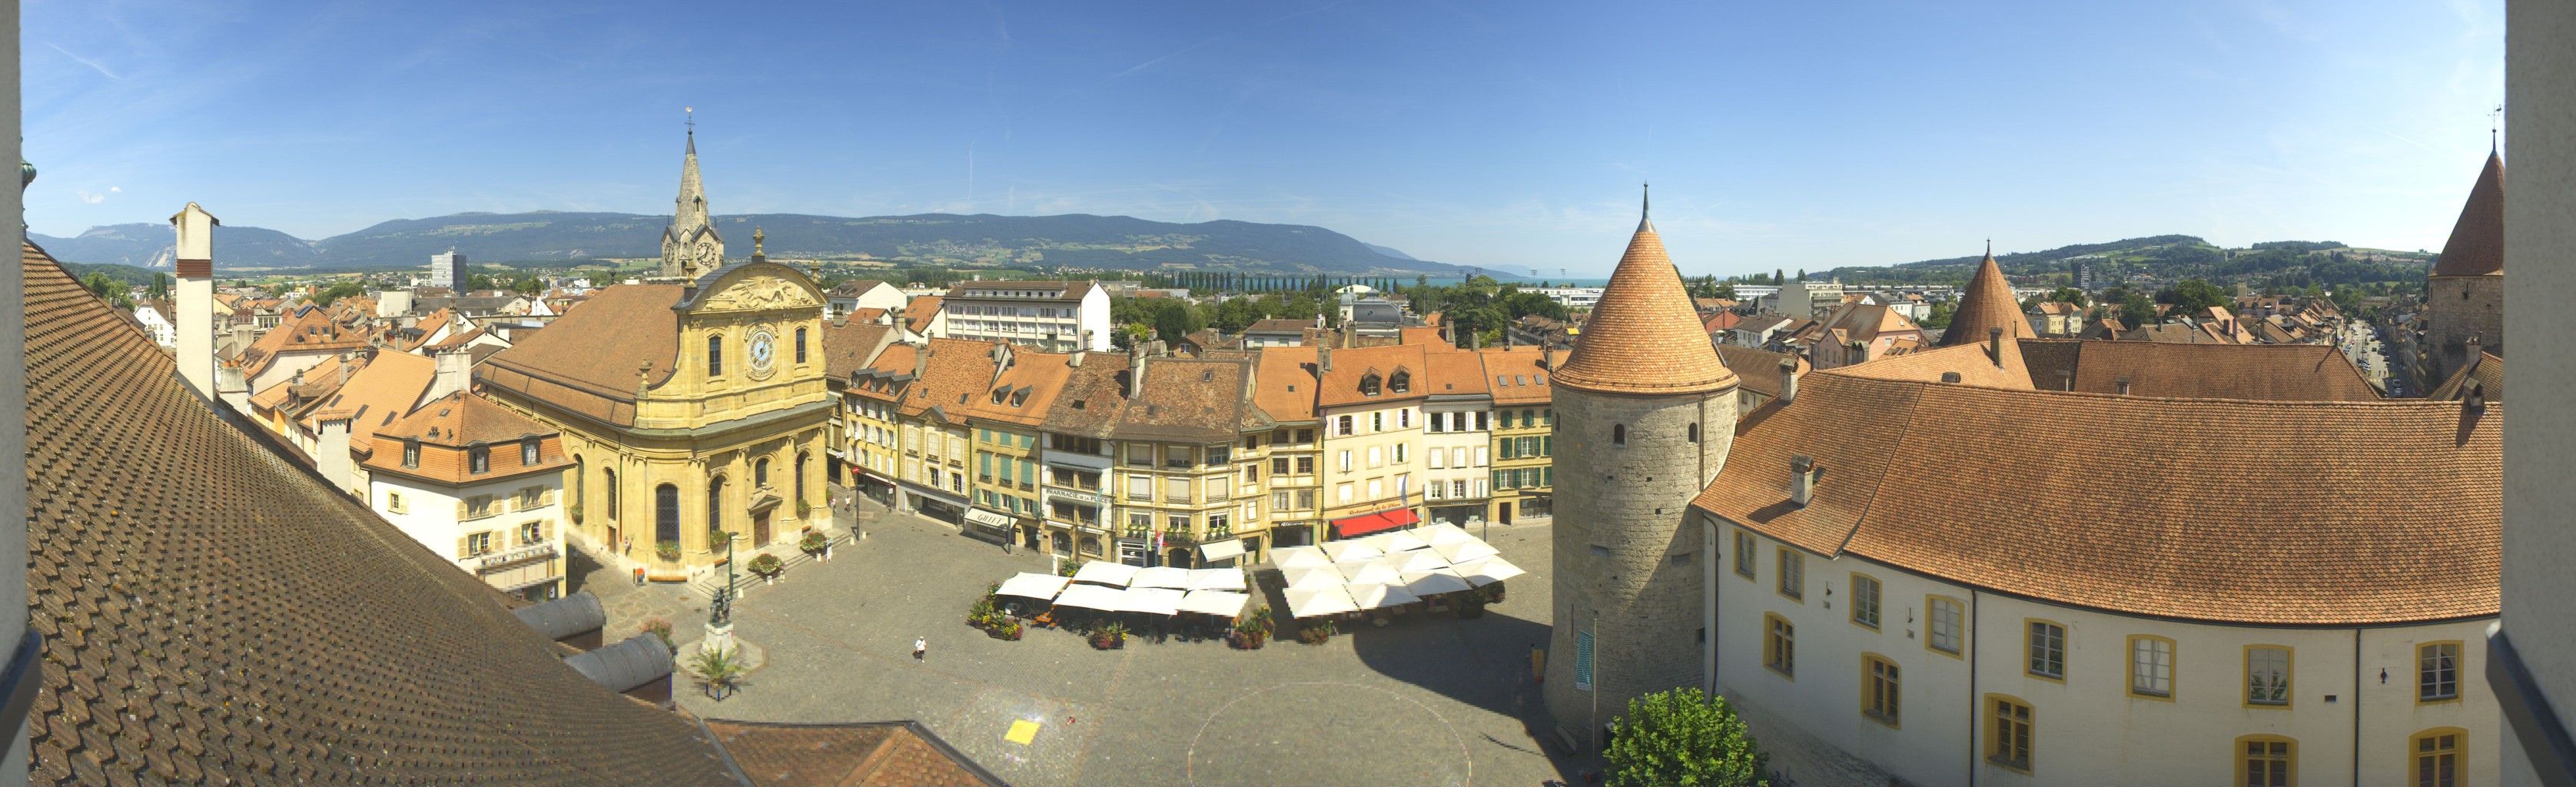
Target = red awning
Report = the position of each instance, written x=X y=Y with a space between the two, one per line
x=1364 y=524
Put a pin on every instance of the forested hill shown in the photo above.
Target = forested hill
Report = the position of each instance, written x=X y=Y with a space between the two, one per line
x=2167 y=258
x=942 y=240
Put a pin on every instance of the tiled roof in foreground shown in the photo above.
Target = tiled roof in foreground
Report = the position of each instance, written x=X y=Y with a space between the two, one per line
x=2233 y=511
x=213 y=614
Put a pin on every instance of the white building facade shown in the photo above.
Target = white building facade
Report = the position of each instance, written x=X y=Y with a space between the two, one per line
x=1055 y=316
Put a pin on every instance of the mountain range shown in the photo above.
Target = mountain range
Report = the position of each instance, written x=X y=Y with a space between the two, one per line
x=2167 y=258
x=929 y=239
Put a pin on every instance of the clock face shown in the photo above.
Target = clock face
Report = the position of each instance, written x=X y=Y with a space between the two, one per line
x=707 y=254
x=764 y=351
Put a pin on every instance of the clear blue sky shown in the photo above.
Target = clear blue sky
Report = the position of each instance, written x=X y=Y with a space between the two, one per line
x=1778 y=135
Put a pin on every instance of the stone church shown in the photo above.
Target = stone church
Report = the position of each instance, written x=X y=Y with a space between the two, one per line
x=691 y=246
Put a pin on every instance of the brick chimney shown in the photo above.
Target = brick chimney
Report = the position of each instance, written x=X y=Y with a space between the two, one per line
x=196 y=306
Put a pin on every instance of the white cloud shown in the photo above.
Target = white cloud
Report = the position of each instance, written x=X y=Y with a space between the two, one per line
x=96 y=197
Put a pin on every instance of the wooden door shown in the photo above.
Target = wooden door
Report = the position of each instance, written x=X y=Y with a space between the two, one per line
x=760 y=529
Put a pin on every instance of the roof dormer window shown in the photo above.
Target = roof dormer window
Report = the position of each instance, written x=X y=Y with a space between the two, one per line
x=1369 y=384
x=1402 y=382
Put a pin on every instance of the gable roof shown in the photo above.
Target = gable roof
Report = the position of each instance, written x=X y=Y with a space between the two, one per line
x=165 y=663
x=849 y=345
x=587 y=360
x=1644 y=334
x=1341 y=384
x=1946 y=481
x=1761 y=367
x=380 y=393
x=2483 y=374
x=1189 y=400
x=2476 y=247
x=1285 y=387
x=1518 y=373
x=2276 y=372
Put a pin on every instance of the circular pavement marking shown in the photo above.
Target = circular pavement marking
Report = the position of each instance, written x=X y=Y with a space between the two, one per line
x=1339 y=733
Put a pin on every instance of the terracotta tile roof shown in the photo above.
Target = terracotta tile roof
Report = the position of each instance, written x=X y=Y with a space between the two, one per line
x=918 y=313
x=1278 y=326
x=1285 y=385
x=1422 y=334
x=449 y=426
x=305 y=333
x=885 y=754
x=174 y=652
x=1761 y=367
x=1644 y=337
x=1457 y=372
x=849 y=345
x=2486 y=371
x=1341 y=384
x=326 y=374
x=867 y=314
x=854 y=288
x=1975 y=364
x=587 y=360
x=2476 y=247
x=1022 y=392
x=380 y=393
x=1518 y=375
x=1987 y=302
x=1720 y=321
x=1945 y=480
x=1188 y=399
x=2274 y=372
x=956 y=372
x=1094 y=397
x=2168 y=332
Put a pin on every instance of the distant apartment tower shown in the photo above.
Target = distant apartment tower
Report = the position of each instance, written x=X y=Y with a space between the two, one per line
x=447 y=270
x=1050 y=315
x=2085 y=277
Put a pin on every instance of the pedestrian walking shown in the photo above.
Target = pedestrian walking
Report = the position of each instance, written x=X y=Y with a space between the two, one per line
x=920 y=646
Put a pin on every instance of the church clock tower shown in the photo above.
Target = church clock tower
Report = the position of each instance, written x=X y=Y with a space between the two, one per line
x=690 y=246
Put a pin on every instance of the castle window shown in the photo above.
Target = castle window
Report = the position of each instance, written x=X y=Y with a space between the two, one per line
x=2266 y=760
x=1879 y=692
x=2437 y=672
x=1619 y=434
x=1780 y=645
x=1694 y=433
x=1793 y=575
x=715 y=355
x=2267 y=675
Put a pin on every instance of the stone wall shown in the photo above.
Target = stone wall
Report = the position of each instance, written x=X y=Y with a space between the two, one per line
x=1621 y=549
x=2456 y=309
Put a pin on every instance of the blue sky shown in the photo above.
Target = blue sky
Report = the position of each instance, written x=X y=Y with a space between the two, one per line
x=1509 y=135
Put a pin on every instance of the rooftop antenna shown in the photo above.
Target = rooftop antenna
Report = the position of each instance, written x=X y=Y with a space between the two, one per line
x=2495 y=125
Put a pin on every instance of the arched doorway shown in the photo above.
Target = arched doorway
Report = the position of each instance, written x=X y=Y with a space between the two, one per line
x=1178 y=557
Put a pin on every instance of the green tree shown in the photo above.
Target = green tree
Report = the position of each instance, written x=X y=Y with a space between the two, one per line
x=160 y=287
x=2194 y=296
x=1802 y=274
x=2136 y=309
x=1173 y=320
x=1683 y=737
x=1940 y=315
x=1779 y=277
x=2067 y=295
x=110 y=290
x=337 y=292
x=477 y=282
x=528 y=285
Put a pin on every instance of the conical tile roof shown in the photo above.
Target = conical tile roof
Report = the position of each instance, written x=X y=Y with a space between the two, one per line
x=1987 y=302
x=1644 y=336
x=2476 y=247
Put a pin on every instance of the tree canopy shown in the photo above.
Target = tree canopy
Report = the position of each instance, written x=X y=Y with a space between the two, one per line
x=1683 y=737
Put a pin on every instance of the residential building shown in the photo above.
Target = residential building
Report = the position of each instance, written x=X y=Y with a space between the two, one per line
x=1007 y=412
x=847 y=298
x=1279 y=332
x=1764 y=375
x=155 y=317
x=1285 y=389
x=1191 y=451
x=448 y=269
x=863 y=436
x=1458 y=446
x=474 y=481
x=1079 y=473
x=1858 y=333
x=1523 y=432
x=2057 y=319
x=936 y=441
x=1758 y=330
x=1055 y=316
x=1370 y=399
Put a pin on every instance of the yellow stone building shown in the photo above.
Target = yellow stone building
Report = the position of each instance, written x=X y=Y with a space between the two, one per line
x=1524 y=432
x=687 y=408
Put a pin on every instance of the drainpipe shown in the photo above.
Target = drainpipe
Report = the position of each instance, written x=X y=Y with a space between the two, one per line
x=1976 y=702
x=2356 y=707
x=1708 y=601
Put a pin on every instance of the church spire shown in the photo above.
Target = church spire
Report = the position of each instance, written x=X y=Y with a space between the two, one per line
x=691 y=245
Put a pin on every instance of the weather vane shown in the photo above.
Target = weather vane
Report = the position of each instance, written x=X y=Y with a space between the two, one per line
x=2495 y=125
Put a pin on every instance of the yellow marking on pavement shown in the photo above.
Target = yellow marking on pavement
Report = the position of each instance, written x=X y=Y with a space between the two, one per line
x=1022 y=732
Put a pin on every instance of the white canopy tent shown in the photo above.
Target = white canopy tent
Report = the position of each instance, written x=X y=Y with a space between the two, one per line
x=1313 y=578
x=1417 y=560
x=1094 y=597
x=1394 y=541
x=1463 y=551
x=1488 y=571
x=1300 y=557
x=1215 y=602
x=1442 y=533
x=1368 y=572
x=1320 y=602
x=1227 y=549
x=1154 y=601
x=1042 y=587
x=1347 y=551
x=1106 y=573
x=1161 y=577
x=1216 y=579
x=1372 y=595
x=1426 y=583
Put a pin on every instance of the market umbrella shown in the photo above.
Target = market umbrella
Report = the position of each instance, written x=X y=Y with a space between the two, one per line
x=1082 y=596
x=1299 y=557
x=1395 y=541
x=1442 y=533
x=1042 y=587
x=1320 y=602
x=1488 y=571
x=1215 y=602
x=1346 y=551
x=1417 y=560
x=1216 y=579
x=1372 y=595
x=1463 y=551
x=1106 y=573
x=1313 y=578
x=1429 y=583
x=1161 y=577
x=1368 y=571
x=1152 y=601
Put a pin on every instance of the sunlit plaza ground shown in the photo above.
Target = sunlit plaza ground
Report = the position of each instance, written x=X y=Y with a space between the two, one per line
x=1429 y=699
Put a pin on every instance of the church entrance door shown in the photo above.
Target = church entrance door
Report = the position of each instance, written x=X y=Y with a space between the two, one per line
x=760 y=530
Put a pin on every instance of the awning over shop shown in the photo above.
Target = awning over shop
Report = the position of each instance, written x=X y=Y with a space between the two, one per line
x=1215 y=602
x=1106 y=573
x=1090 y=597
x=1151 y=601
x=1226 y=549
x=1037 y=586
x=1161 y=577
x=1216 y=579
x=987 y=518
x=1365 y=524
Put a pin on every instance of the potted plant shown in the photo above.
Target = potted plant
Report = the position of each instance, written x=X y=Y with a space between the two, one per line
x=1069 y=568
x=1110 y=637
x=660 y=628
x=575 y=511
x=1003 y=628
x=1316 y=634
x=1250 y=633
x=804 y=509
x=1491 y=594
x=813 y=542
x=668 y=551
x=768 y=566
x=719 y=669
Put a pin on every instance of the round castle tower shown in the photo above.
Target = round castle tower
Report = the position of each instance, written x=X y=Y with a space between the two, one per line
x=1645 y=413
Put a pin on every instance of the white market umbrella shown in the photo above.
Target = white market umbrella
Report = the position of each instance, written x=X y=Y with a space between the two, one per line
x=1299 y=557
x=1347 y=551
x=1215 y=602
x=1153 y=601
x=1463 y=551
x=1161 y=577
x=1082 y=596
x=1313 y=578
x=1415 y=561
x=1442 y=533
x=1042 y=587
x=1320 y=602
x=1216 y=579
x=1488 y=571
x=1394 y=541
x=1106 y=573
x=1368 y=572
x=1431 y=583
x=1371 y=595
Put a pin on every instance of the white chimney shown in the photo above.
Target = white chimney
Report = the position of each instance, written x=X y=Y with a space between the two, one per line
x=1136 y=372
x=196 y=305
x=233 y=386
x=1788 y=380
x=455 y=369
x=331 y=449
x=1802 y=480
x=1079 y=350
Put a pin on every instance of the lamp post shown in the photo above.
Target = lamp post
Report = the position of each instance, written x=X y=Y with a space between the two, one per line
x=1596 y=680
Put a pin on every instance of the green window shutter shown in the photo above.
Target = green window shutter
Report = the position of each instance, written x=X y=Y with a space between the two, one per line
x=984 y=464
x=1547 y=476
x=1028 y=472
x=1547 y=446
